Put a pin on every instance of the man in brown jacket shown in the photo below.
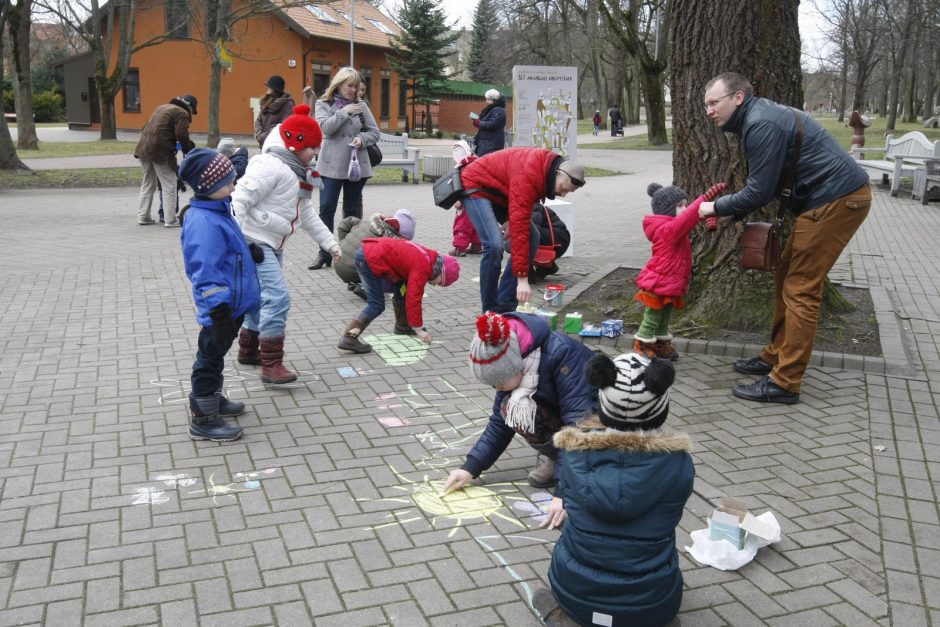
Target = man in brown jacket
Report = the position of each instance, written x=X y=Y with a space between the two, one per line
x=167 y=127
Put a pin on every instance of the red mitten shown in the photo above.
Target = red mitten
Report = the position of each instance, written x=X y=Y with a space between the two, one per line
x=476 y=123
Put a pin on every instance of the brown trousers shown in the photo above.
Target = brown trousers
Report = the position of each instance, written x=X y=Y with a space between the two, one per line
x=818 y=238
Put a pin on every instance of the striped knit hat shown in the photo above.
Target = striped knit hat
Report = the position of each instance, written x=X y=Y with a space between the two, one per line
x=206 y=171
x=494 y=351
x=633 y=390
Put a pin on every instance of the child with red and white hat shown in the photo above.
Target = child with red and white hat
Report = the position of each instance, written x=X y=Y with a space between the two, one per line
x=540 y=387
x=272 y=200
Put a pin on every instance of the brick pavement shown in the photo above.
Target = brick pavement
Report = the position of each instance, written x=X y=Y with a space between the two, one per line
x=325 y=512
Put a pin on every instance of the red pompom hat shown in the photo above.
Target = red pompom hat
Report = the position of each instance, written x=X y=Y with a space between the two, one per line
x=494 y=351
x=300 y=131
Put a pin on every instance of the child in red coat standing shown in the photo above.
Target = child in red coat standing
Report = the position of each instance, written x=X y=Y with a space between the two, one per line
x=402 y=263
x=665 y=279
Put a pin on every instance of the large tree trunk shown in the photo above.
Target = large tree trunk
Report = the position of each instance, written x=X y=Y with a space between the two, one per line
x=760 y=40
x=20 y=26
x=655 y=107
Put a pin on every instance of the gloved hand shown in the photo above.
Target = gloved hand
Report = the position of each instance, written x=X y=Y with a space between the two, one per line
x=223 y=326
x=257 y=253
x=180 y=186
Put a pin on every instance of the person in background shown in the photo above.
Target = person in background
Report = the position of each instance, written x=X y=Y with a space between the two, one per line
x=597 y=119
x=237 y=154
x=275 y=106
x=348 y=128
x=491 y=124
x=165 y=134
x=552 y=232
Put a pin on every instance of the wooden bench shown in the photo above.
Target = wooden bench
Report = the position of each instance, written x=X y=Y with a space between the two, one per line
x=927 y=180
x=397 y=154
x=903 y=157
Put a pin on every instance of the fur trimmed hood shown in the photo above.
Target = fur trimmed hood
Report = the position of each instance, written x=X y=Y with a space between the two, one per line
x=380 y=228
x=592 y=435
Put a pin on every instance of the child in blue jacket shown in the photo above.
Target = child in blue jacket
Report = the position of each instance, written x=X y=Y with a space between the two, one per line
x=624 y=482
x=220 y=267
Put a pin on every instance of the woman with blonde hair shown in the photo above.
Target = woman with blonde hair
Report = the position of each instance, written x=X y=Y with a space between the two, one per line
x=348 y=128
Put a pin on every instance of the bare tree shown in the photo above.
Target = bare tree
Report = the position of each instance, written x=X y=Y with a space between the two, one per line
x=760 y=40
x=20 y=30
x=643 y=31
x=8 y=157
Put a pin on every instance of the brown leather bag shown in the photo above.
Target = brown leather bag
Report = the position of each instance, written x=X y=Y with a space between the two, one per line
x=760 y=241
x=760 y=246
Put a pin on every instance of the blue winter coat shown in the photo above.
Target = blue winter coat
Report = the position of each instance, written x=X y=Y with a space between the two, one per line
x=239 y=162
x=624 y=492
x=492 y=124
x=563 y=396
x=217 y=260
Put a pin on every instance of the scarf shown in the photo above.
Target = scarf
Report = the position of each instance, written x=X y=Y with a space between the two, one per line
x=341 y=102
x=519 y=410
x=307 y=183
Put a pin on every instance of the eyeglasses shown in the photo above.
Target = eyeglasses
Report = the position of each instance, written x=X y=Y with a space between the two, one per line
x=711 y=104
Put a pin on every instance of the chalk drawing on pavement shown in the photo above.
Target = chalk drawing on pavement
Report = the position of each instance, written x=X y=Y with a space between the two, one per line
x=241 y=482
x=398 y=350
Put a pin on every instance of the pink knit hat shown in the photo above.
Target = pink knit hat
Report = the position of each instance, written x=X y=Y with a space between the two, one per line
x=450 y=272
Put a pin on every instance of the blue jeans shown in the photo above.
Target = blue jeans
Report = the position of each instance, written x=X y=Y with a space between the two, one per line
x=496 y=294
x=329 y=198
x=210 y=362
x=375 y=290
x=271 y=319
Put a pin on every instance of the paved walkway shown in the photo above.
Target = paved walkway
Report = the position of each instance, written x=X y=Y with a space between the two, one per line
x=326 y=512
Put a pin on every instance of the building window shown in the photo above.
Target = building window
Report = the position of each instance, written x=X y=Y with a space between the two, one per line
x=176 y=19
x=385 y=97
x=132 y=91
x=366 y=73
x=402 y=99
x=321 y=15
x=379 y=25
x=321 y=77
x=354 y=23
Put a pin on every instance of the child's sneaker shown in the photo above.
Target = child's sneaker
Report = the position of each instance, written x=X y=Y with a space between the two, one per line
x=457 y=252
x=476 y=249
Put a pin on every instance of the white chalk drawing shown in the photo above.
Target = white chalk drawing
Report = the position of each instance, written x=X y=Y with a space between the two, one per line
x=536 y=508
x=242 y=482
x=150 y=496
x=485 y=541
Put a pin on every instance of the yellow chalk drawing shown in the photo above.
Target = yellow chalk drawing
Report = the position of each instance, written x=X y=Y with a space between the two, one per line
x=398 y=350
x=472 y=504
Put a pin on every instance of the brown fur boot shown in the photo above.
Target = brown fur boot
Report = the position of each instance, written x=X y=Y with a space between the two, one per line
x=647 y=349
x=249 y=352
x=401 y=318
x=350 y=340
x=272 y=357
x=666 y=349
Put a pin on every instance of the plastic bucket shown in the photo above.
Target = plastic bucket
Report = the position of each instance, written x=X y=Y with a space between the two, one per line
x=554 y=295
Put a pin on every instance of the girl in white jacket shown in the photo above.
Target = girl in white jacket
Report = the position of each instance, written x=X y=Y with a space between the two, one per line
x=271 y=201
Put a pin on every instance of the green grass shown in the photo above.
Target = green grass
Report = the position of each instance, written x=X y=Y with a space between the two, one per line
x=53 y=179
x=130 y=177
x=874 y=134
x=79 y=149
x=637 y=142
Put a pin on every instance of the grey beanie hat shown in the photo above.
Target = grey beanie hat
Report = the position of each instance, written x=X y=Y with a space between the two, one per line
x=494 y=351
x=665 y=199
x=226 y=146
x=632 y=390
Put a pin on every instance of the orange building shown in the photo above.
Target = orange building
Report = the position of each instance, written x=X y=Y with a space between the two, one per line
x=305 y=45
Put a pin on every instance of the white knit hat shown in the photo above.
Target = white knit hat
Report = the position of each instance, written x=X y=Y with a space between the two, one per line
x=494 y=351
x=633 y=390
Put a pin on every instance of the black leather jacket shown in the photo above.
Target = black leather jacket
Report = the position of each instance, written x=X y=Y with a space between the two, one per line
x=825 y=172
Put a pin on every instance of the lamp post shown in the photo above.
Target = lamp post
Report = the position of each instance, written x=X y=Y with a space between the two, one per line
x=352 y=30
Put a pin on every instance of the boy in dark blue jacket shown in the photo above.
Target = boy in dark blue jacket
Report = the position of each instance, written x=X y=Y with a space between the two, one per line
x=220 y=267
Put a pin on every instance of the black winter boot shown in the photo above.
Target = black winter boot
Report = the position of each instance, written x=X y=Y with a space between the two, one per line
x=401 y=319
x=230 y=408
x=207 y=424
x=323 y=259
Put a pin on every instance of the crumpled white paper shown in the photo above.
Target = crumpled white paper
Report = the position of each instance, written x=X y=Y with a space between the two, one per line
x=725 y=556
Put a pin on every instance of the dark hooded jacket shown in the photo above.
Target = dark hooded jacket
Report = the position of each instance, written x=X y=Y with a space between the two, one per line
x=492 y=124
x=350 y=232
x=275 y=108
x=168 y=125
x=825 y=171
x=624 y=492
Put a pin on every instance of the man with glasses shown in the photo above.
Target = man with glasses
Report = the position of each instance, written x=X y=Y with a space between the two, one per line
x=504 y=185
x=831 y=198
